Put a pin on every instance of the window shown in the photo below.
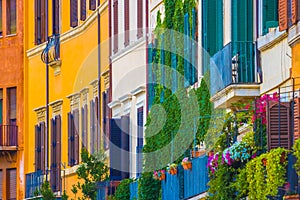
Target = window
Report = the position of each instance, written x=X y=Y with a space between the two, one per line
x=40 y=147
x=12 y=105
x=73 y=137
x=116 y=25
x=1 y=186
x=11 y=16
x=55 y=177
x=1 y=28
x=74 y=13
x=84 y=125
x=11 y=184
x=140 y=18
x=92 y=4
x=56 y=16
x=126 y=22
x=140 y=141
x=1 y=106
x=94 y=125
x=270 y=14
x=105 y=114
x=40 y=21
x=82 y=10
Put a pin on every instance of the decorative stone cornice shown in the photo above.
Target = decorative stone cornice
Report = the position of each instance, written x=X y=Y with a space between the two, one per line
x=125 y=98
x=74 y=101
x=94 y=84
x=41 y=114
x=272 y=38
x=138 y=90
x=106 y=79
x=114 y=104
x=85 y=95
x=56 y=107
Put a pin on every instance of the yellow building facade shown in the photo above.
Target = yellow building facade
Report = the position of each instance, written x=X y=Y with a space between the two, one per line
x=75 y=28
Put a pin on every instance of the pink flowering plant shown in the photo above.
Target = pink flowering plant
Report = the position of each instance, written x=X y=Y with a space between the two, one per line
x=212 y=163
x=185 y=160
x=157 y=174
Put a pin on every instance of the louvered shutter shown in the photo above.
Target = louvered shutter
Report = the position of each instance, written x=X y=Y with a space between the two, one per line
x=76 y=136
x=53 y=155
x=11 y=184
x=125 y=123
x=140 y=18
x=74 y=13
x=295 y=11
x=37 y=148
x=92 y=4
x=43 y=154
x=115 y=149
x=58 y=152
x=283 y=14
x=116 y=25
x=37 y=19
x=82 y=10
x=97 y=125
x=297 y=118
x=278 y=128
x=43 y=21
x=270 y=14
x=92 y=128
x=1 y=184
x=70 y=140
x=85 y=138
x=104 y=104
x=56 y=17
x=126 y=21
x=186 y=49
x=140 y=140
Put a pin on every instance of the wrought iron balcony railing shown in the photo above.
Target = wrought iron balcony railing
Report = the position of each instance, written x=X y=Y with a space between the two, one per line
x=8 y=136
x=52 y=51
x=33 y=183
x=234 y=64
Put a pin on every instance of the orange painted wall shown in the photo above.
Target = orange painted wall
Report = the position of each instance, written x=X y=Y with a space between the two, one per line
x=11 y=75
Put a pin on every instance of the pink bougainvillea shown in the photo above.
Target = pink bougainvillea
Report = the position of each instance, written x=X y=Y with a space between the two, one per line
x=212 y=163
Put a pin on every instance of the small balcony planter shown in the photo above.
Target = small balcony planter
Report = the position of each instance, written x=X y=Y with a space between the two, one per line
x=172 y=169
x=292 y=197
x=186 y=164
x=197 y=153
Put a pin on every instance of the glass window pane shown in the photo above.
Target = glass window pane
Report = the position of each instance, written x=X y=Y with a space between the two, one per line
x=11 y=16
x=12 y=105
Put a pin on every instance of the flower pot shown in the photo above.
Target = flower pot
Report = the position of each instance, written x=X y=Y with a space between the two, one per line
x=173 y=171
x=198 y=153
x=162 y=177
x=187 y=165
x=211 y=153
x=292 y=197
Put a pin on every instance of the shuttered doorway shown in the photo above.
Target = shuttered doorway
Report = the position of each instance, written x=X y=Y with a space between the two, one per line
x=11 y=184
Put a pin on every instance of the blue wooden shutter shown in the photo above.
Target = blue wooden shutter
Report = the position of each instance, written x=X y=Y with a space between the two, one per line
x=42 y=144
x=125 y=123
x=70 y=139
x=58 y=152
x=194 y=72
x=115 y=149
x=92 y=127
x=56 y=17
x=174 y=63
x=73 y=13
x=37 y=148
x=76 y=136
x=140 y=140
x=53 y=155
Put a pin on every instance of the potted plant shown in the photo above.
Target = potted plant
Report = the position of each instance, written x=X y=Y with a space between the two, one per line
x=197 y=152
x=186 y=163
x=172 y=169
x=159 y=175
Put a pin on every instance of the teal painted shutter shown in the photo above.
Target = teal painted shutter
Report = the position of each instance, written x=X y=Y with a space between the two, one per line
x=194 y=46
x=173 y=63
x=270 y=14
x=186 y=50
x=150 y=76
x=162 y=67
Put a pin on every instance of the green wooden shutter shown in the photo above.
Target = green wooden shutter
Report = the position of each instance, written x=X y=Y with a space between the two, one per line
x=270 y=14
x=162 y=67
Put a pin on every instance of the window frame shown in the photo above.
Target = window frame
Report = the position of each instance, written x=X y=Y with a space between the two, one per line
x=9 y=30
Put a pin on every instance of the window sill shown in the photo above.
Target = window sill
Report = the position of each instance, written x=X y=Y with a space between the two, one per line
x=11 y=35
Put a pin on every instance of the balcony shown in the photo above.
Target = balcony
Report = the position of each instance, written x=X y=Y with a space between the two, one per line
x=8 y=137
x=34 y=182
x=233 y=74
x=51 y=54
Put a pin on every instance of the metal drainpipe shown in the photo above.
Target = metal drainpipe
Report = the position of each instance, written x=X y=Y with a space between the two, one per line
x=47 y=97
x=99 y=78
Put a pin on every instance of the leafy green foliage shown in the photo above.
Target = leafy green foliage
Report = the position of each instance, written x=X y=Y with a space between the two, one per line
x=46 y=191
x=123 y=190
x=65 y=196
x=296 y=153
x=149 y=188
x=92 y=170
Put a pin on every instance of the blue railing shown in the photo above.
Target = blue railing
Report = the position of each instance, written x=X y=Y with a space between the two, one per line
x=234 y=64
x=187 y=183
x=134 y=190
x=33 y=183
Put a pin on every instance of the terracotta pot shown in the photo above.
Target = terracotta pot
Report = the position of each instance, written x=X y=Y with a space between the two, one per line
x=162 y=177
x=292 y=197
x=282 y=158
x=187 y=165
x=211 y=153
x=264 y=161
x=198 y=153
x=173 y=171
